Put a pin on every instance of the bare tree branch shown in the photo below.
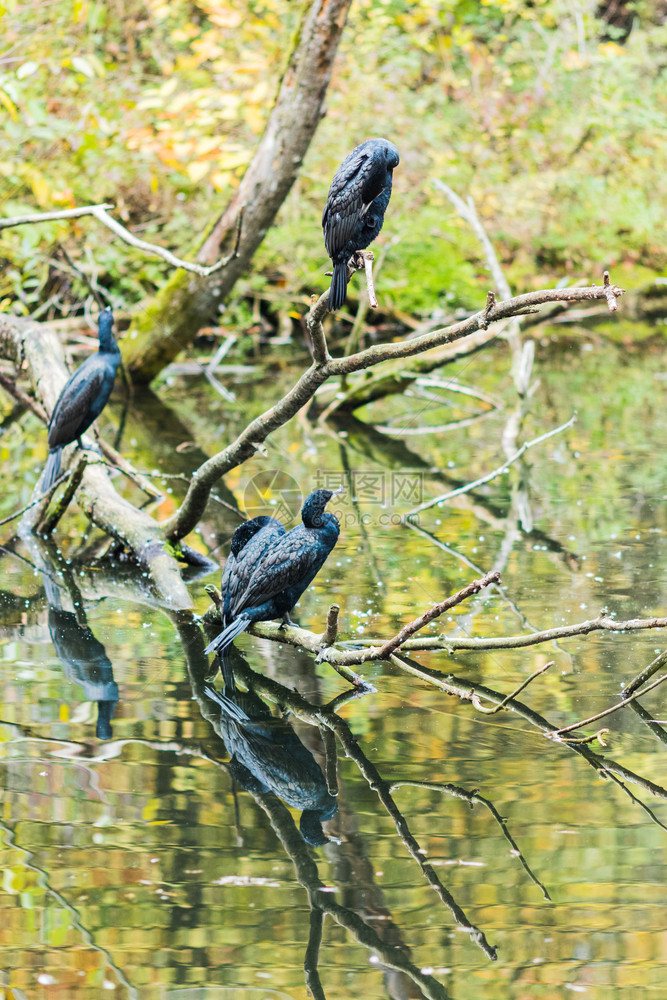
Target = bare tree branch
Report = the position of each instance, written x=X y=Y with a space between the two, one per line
x=411 y=628
x=100 y=213
x=187 y=516
x=360 y=651
x=609 y=711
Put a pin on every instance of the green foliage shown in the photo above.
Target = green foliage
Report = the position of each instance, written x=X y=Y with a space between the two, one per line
x=538 y=111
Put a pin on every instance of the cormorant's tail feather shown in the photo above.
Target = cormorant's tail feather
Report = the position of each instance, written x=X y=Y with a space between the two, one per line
x=226 y=704
x=51 y=470
x=338 y=289
x=227 y=636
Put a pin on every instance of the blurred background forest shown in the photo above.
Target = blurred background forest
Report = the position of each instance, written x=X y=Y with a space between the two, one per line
x=552 y=114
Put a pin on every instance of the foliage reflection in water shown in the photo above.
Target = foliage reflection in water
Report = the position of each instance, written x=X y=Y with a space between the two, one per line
x=144 y=862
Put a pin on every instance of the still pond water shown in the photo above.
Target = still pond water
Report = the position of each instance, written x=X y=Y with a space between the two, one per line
x=153 y=860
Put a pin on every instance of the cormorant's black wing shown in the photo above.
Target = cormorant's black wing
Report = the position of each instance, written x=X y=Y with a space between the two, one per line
x=357 y=182
x=246 y=563
x=71 y=414
x=285 y=565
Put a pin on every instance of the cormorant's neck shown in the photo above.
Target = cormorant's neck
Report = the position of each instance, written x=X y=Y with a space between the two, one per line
x=313 y=519
x=321 y=520
x=107 y=340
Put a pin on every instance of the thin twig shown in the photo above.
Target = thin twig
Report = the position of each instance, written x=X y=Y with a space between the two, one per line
x=64 y=213
x=644 y=675
x=491 y=475
x=10 y=385
x=51 y=519
x=408 y=630
x=490 y=303
x=331 y=631
x=609 y=711
x=116 y=461
x=368 y=258
x=40 y=499
x=610 y=293
x=99 y=212
x=497 y=708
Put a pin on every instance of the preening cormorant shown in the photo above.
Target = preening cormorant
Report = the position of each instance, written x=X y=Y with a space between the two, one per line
x=84 y=396
x=270 y=585
x=249 y=542
x=356 y=203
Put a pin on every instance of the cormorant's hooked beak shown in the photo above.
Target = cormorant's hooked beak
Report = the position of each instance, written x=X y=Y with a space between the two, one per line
x=336 y=493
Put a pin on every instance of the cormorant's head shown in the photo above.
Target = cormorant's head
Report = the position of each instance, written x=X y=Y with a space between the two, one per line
x=386 y=149
x=313 y=508
x=311 y=821
x=245 y=531
x=391 y=154
x=105 y=320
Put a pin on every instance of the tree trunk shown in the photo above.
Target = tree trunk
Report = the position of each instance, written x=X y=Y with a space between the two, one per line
x=187 y=302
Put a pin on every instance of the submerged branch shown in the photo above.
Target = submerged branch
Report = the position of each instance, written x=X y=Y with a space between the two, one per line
x=490 y=475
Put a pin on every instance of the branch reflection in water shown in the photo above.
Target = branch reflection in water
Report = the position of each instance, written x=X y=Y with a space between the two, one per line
x=275 y=767
x=283 y=766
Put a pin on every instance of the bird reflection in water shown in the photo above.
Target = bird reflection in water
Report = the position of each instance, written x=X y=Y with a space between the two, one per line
x=84 y=658
x=268 y=756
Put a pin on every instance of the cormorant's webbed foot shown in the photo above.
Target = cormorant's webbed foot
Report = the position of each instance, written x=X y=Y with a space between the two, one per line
x=286 y=621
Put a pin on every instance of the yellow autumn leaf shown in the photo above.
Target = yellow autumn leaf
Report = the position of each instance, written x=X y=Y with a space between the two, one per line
x=9 y=104
x=196 y=170
x=609 y=50
x=40 y=187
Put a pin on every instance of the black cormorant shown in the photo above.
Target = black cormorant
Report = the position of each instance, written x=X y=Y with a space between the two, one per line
x=248 y=544
x=84 y=396
x=270 y=586
x=356 y=203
